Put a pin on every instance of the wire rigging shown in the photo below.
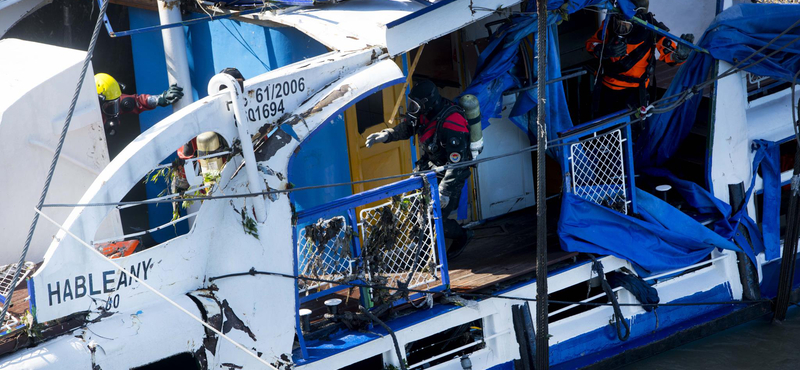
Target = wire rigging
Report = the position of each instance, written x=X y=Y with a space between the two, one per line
x=662 y=105
x=56 y=155
x=450 y=293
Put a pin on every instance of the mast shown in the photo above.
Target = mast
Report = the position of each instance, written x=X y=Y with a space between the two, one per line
x=169 y=12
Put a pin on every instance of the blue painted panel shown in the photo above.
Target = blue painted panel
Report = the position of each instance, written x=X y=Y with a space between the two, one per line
x=771 y=272
x=602 y=343
x=346 y=339
x=322 y=159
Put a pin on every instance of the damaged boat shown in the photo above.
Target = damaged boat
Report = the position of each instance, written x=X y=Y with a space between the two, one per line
x=667 y=223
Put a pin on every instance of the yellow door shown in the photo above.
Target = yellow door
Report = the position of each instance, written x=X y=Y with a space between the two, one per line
x=382 y=159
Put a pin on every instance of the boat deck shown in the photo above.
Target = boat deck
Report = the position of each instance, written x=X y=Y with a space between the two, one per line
x=502 y=250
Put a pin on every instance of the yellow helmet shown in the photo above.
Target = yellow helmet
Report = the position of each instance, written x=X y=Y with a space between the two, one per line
x=107 y=86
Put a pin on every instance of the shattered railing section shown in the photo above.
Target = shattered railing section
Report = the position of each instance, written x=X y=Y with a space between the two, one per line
x=398 y=245
x=324 y=251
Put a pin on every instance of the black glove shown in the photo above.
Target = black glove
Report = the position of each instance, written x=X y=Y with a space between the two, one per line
x=173 y=94
x=682 y=53
x=613 y=49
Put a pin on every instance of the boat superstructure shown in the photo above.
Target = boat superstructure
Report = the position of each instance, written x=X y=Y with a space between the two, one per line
x=362 y=281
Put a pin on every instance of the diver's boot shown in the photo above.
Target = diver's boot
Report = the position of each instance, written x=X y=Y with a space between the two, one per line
x=459 y=244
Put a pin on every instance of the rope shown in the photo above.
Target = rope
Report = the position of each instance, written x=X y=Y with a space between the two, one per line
x=657 y=107
x=542 y=336
x=154 y=290
x=53 y=163
x=390 y=331
x=597 y=267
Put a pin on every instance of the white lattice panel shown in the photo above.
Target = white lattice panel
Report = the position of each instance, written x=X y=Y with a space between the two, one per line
x=331 y=261
x=7 y=276
x=598 y=170
x=399 y=261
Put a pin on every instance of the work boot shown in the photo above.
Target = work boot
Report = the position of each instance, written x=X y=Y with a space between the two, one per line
x=458 y=245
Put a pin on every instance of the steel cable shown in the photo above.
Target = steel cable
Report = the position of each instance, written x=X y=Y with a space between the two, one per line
x=54 y=162
x=542 y=335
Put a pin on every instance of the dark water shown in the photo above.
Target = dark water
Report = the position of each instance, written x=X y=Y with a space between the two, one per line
x=758 y=344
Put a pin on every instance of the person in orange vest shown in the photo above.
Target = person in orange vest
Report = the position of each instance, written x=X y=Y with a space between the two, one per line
x=628 y=53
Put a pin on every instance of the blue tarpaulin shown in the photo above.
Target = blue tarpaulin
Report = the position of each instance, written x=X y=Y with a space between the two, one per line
x=735 y=34
x=666 y=238
x=493 y=73
x=660 y=222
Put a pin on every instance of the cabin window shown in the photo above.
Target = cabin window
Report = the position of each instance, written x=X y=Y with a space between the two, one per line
x=761 y=86
x=372 y=363
x=419 y=351
x=369 y=111
x=590 y=289
x=180 y=361
x=173 y=179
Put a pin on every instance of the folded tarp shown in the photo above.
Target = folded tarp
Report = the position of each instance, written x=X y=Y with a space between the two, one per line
x=665 y=239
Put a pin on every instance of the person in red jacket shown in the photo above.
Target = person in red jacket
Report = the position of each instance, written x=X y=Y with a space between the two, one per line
x=444 y=139
x=628 y=53
x=113 y=102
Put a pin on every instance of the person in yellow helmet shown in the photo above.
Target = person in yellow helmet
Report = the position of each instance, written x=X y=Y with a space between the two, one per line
x=113 y=101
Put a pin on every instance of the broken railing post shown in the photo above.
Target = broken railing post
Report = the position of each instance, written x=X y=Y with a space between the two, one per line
x=255 y=182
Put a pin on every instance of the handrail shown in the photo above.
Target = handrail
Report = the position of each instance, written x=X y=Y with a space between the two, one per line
x=450 y=352
x=567 y=308
x=140 y=233
x=598 y=124
x=340 y=205
x=168 y=196
x=219 y=154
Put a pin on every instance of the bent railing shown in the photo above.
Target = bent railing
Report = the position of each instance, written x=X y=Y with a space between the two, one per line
x=598 y=161
x=400 y=241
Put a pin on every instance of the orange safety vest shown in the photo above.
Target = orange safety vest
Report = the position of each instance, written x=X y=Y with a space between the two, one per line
x=633 y=69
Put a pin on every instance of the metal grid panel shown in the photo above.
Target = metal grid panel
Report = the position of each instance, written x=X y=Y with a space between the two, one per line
x=404 y=256
x=331 y=261
x=9 y=325
x=598 y=170
x=7 y=276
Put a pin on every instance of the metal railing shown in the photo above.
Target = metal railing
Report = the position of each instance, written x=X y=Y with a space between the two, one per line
x=324 y=252
x=413 y=255
x=600 y=163
x=7 y=275
x=399 y=240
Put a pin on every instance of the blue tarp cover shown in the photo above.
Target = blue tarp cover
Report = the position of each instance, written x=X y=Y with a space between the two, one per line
x=735 y=34
x=666 y=238
x=493 y=73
